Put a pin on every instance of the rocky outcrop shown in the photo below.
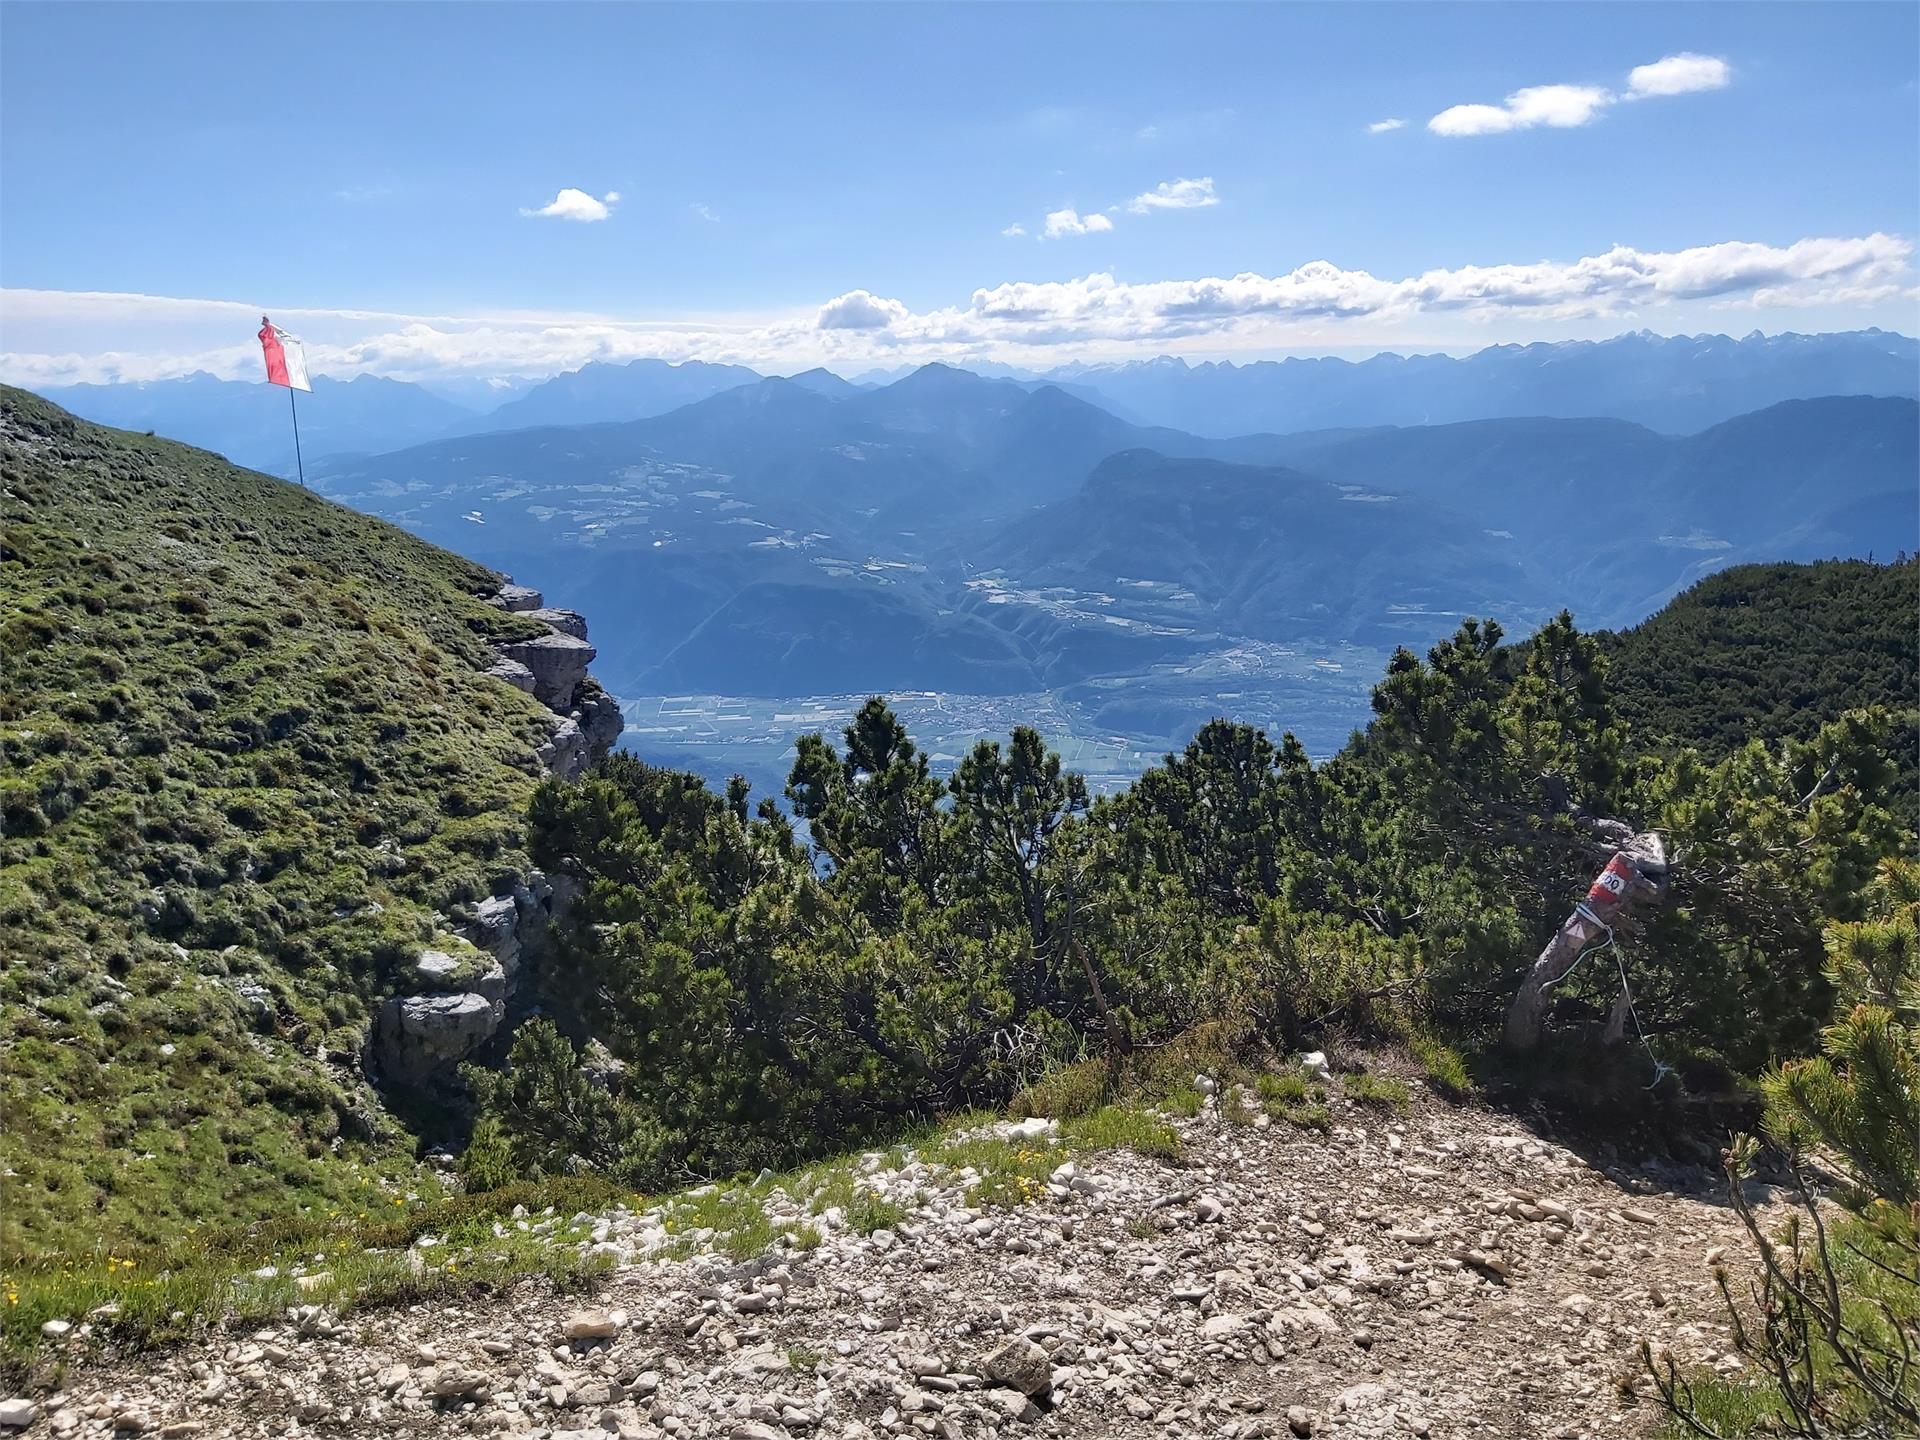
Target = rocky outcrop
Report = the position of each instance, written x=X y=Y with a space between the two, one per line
x=458 y=997
x=514 y=673
x=567 y=622
x=517 y=597
x=460 y=1000
x=583 y=735
x=415 y=1035
x=462 y=995
x=553 y=669
x=600 y=720
x=558 y=662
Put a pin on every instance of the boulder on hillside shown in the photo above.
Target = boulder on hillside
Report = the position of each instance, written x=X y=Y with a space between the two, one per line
x=558 y=662
x=415 y=1035
x=583 y=735
x=600 y=721
x=567 y=622
x=496 y=929
x=564 y=751
x=517 y=597
x=514 y=673
x=511 y=927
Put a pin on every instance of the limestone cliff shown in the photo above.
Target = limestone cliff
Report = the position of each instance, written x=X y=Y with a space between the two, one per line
x=455 y=1007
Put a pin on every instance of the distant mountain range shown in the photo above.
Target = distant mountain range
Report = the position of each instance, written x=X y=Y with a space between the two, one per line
x=598 y=392
x=1675 y=385
x=957 y=533
x=247 y=421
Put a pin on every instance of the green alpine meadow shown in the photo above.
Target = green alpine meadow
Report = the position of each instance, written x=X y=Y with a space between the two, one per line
x=252 y=771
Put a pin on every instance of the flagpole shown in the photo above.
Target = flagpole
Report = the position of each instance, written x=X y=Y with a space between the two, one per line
x=291 y=405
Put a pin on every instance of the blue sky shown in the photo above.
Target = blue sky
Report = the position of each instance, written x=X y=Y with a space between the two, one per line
x=368 y=170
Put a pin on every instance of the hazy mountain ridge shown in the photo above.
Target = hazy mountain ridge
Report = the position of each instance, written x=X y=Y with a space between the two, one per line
x=1675 y=384
x=248 y=422
x=599 y=392
x=945 y=534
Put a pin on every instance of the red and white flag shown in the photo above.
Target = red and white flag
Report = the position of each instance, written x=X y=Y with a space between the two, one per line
x=286 y=361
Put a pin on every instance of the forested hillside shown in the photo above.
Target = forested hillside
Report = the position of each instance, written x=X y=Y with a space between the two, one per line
x=922 y=946
x=1772 y=652
x=253 y=769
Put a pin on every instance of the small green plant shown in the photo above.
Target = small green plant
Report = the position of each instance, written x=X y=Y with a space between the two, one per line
x=1289 y=1087
x=800 y=1358
x=1011 y=1172
x=1123 y=1127
x=1185 y=1101
x=826 y=1186
x=1291 y=1096
x=734 y=1214
x=1445 y=1067
x=869 y=1212
x=1368 y=1088
x=1067 y=1090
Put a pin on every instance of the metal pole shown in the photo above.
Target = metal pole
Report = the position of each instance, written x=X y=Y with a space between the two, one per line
x=297 y=460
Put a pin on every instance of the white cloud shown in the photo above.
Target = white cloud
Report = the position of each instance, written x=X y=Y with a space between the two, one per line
x=1014 y=231
x=1071 y=222
x=58 y=337
x=704 y=212
x=1568 y=106
x=858 y=310
x=1616 y=282
x=1147 y=132
x=1680 y=74
x=1381 y=127
x=1176 y=195
x=572 y=204
x=1560 y=106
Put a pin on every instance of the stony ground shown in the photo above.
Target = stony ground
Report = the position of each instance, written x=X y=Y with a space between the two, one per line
x=1443 y=1272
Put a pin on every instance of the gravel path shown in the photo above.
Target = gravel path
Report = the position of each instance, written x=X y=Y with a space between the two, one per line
x=1442 y=1273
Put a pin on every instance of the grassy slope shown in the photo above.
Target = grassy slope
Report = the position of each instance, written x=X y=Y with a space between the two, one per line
x=246 y=763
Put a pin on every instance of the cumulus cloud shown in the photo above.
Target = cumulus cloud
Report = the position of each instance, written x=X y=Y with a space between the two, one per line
x=62 y=337
x=1680 y=74
x=1071 y=222
x=1566 y=107
x=1561 y=106
x=572 y=204
x=1381 y=127
x=1014 y=231
x=1176 y=195
x=858 y=310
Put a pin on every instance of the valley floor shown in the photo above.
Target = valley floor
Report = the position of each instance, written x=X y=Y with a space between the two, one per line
x=1273 y=1281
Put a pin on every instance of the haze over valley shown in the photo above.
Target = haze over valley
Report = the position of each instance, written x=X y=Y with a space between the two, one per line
x=784 y=547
